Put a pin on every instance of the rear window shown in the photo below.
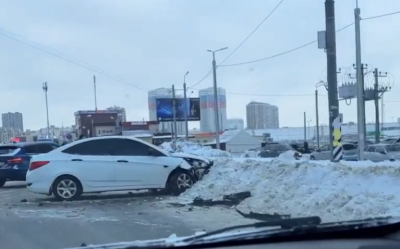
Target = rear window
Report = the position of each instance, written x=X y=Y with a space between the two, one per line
x=9 y=150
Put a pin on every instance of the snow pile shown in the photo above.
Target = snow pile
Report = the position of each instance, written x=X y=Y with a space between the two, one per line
x=181 y=145
x=333 y=191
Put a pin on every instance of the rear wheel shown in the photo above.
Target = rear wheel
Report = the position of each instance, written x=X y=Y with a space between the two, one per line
x=2 y=182
x=179 y=181
x=67 y=188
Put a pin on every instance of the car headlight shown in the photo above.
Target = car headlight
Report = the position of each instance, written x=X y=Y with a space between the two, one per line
x=196 y=164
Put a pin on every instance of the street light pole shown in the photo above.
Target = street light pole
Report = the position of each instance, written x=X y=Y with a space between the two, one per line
x=214 y=65
x=45 y=88
x=186 y=106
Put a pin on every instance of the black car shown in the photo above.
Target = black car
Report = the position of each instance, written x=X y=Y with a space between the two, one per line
x=269 y=150
x=15 y=159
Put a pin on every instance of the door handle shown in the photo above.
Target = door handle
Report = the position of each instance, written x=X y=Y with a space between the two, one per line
x=76 y=160
x=122 y=161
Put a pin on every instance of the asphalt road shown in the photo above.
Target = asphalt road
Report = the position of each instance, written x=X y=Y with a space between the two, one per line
x=36 y=222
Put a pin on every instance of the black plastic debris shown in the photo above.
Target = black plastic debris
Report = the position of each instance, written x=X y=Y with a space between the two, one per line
x=228 y=200
x=264 y=217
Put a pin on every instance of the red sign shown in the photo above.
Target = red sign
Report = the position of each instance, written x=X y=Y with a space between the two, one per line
x=15 y=139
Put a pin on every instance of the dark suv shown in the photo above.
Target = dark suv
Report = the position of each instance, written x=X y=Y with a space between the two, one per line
x=275 y=149
x=15 y=159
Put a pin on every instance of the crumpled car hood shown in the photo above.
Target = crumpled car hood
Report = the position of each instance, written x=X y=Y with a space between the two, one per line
x=188 y=155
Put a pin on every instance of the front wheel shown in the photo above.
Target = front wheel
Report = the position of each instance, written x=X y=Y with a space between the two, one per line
x=67 y=188
x=312 y=158
x=179 y=181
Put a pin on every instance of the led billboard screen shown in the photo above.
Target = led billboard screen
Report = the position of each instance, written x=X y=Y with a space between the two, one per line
x=165 y=114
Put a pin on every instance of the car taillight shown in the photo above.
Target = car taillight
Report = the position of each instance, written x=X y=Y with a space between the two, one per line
x=38 y=164
x=15 y=160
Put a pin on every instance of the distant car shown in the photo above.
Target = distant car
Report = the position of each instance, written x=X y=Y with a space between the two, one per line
x=111 y=163
x=275 y=149
x=391 y=140
x=253 y=152
x=382 y=152
x=324 y=153
x=15 y=159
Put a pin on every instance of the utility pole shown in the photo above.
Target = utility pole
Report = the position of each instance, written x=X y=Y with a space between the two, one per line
x=305 y=127
x=45 y=88
x=174 y=134
x=363 y=68
x=378 y=92
x=214 y=66
x=360 y=87
x=186 y=106
x=317 y=116
x=95 y=92
x=335 y=147
x=376 y=100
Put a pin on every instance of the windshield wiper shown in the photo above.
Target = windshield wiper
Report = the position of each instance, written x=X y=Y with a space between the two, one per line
x=282 y=223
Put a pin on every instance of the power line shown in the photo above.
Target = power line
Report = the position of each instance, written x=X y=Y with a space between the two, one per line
x=76 y=62
x=307 y=44
x=258 y=26
x=270 y=95
x=252 y=32
x=379 y=16
x=283 y=53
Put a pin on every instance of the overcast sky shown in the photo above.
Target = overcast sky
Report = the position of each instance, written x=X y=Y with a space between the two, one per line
x=146 y=44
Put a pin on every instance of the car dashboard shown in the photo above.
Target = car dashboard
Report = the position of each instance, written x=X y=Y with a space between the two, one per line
x=328 y=244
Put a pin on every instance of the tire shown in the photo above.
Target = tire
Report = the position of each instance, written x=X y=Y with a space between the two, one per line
x=179 y=181
x=2 y=182
x=312 y=158
x=246 y=156
x=73 y=185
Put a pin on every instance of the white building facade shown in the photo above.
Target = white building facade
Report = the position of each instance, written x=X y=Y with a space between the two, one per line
x=159 y=93
x=235 y=123
x=207 y=109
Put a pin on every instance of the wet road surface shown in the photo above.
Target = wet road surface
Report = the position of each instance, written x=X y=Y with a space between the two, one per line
x=36 y=222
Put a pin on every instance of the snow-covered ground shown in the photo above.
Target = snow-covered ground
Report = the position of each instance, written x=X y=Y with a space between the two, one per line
x=181 y=145
x=333 y=191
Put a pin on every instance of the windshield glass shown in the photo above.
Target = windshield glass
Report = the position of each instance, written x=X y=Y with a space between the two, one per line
x=391 y=148
x=8 y=150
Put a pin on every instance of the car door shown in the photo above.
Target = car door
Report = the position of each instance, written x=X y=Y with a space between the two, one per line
x=135 y=167
x=91 y=161
x=323 y=153
x=267 y=151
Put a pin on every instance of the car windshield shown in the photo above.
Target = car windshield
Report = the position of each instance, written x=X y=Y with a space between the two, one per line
x=8 y=150
x=391 y=148
x=181 y=116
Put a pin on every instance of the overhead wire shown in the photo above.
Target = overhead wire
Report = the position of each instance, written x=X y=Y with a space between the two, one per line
x=308 y=44
x=294 y=49
x=245 y=39
x=76 y=62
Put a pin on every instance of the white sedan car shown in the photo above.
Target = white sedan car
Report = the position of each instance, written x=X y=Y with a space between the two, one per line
x=111 y=163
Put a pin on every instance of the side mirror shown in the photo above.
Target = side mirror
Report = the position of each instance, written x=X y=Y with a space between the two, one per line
x=382 y=152
x=317 y=150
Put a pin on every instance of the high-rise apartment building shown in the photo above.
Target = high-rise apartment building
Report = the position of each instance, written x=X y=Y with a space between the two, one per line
x=262 y=116
x=12 y=120
x=235 y=123
x=207 y=109
x=153 y=95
